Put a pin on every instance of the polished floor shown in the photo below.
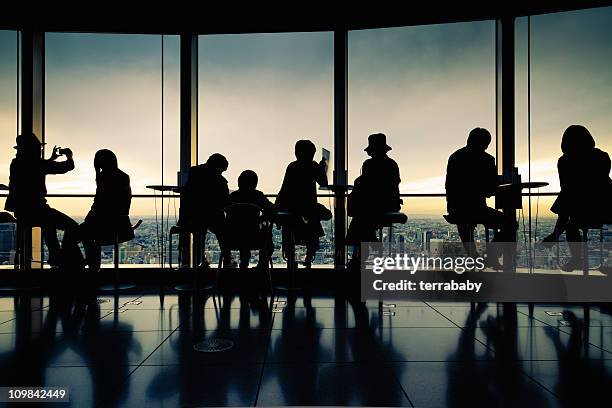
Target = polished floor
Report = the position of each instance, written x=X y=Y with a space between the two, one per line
x=133 y=351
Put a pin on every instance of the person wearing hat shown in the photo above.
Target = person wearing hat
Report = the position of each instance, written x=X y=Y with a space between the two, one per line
x=376 y=191
x=26 y=198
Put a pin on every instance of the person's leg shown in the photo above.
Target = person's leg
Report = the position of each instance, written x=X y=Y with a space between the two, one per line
x=218 y=229
x=70 y=246
x=575 y=244
x=504 y=232
x=91 y=245
x=245 y=258
x=466 y=233
x=54 y=220
x=560 y=227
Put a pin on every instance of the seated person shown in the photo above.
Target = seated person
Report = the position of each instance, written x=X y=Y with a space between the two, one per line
x=204 y=198
x=247 y=193
x=584 y=171
x=375 y=192
x=471 y=177
x=108 y=219
x=298 y=196
x=26 y=199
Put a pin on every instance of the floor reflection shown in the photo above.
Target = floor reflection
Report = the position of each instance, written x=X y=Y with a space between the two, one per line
x=131 y=350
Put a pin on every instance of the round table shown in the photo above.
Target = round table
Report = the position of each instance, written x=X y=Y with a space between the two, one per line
x=336 y=187
x=530 y=184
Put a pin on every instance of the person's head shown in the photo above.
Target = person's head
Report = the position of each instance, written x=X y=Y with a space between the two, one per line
x=217 y=162
x=305 y=150
x=28 y=145
x=105 y=160
x=247 y=180
x=377 y=145
x=576 y=139
x=479 y=139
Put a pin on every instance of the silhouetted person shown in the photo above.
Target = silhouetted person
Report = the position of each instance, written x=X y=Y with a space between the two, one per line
x=108 y=219
x=471 y=177
x=298 y=195
x=586 y=190
x=204 y=197
x=376 y=191
x=27 y=191
x=247 y=193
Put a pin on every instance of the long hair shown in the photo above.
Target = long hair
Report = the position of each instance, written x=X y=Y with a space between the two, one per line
x=577 y=139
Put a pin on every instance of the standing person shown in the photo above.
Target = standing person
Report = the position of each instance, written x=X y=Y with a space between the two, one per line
x=204 y=197
x=376 y=192
x=108 y=219
x=26 y=198
x=298 y=196
x=471 y=177
x=586 y=191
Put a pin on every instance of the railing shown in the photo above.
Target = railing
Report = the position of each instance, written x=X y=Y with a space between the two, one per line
x=144 y=250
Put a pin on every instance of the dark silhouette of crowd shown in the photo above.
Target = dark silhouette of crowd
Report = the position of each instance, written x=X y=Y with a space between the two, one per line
x=206 y=202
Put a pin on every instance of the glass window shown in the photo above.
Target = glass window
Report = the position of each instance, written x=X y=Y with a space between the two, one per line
x=106 y=91
x=8 y=131
x=425 y=87
x=258 y=95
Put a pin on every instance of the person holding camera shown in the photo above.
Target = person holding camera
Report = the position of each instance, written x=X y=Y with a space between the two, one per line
x=26 y=198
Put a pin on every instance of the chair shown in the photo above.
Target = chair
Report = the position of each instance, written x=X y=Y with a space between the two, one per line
x=452 y=219
x=23 y=256
x=180 y=230
x=286 y=220
x=246 y=228
x=117 y=239
x=387 y=220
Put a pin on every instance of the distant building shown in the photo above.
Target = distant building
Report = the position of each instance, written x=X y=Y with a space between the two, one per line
x=425 y=239
x=436 y=247
x=7 y=242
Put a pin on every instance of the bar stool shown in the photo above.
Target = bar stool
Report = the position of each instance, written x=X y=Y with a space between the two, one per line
x=452 y=219
x=7 y=218
x=195 y=286
x=286 y=220
x=116 y=286
x=387 y=220
x=244 y=221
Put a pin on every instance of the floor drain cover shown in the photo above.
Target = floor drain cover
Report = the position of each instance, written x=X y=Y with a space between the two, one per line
x=213 y=345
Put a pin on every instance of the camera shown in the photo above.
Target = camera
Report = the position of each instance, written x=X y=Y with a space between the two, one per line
x=62 y=151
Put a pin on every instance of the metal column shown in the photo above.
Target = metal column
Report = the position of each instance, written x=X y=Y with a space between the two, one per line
x=189 y=122
x=340 y=143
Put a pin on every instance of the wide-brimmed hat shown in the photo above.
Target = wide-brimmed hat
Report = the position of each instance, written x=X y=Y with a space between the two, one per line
x=377 y=142
x=27 y=140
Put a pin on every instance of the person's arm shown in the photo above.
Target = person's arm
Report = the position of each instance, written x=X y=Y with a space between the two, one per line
x=563 y=174
x=451 y=175
x=321 y=172
x=282 y=197
x=51 y=166
x=491 y=180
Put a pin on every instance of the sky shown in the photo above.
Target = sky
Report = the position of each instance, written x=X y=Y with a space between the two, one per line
x=425 y=87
